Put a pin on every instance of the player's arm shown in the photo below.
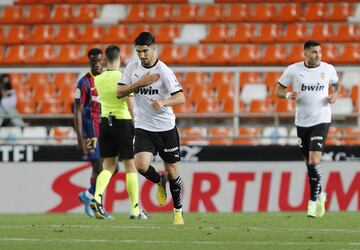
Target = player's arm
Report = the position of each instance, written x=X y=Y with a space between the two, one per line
x=335 y=87
x=175 y=99
x=78 y=122
x=130 y=104
x=281 y=92
x=126 y=89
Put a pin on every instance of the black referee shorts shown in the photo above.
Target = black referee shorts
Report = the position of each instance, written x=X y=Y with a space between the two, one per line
x=116 y=140
x=312 y=138
x=166 y=143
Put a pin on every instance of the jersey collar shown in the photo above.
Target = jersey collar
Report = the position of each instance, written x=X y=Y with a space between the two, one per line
x=152 y=65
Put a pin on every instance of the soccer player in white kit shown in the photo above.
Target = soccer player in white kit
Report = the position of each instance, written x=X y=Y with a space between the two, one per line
x=155 y=128
x=311 y=80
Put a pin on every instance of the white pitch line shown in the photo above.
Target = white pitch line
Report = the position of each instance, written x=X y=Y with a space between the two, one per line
x=288 y=243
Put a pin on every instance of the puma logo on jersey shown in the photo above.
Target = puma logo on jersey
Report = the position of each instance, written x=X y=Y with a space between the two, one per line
x=320 y=144
x=147 y=91
x=316 y=87
x=136 y=75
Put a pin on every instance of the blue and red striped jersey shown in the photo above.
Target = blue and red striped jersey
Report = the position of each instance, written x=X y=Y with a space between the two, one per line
x=87 y=95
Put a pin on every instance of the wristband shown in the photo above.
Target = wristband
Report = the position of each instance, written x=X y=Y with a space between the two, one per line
x=288 y=95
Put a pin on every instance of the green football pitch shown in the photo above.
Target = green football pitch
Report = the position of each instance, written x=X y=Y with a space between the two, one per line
x=201 y=231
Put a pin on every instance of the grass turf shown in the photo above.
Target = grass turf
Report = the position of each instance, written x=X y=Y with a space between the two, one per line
x=202 y=231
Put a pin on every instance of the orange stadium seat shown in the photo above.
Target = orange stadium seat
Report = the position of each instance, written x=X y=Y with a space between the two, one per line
x=346 y=33
x=85 y=14
x=261 y=106
x=41 y=92
x=196 y=135
x=195 y=78
x=167 y=33
x=69 y=54
x=23 y=91
x=137 y=30
x=61 y=14
x=2 y=55
x=242 y=33
x=323 y=32
x=17 y=34
x=248 y=54
x=334 y=136
x=66 y=34
x=17 y=55
x=91 y=34
x=220 y=136
x=294 y=32
x=211 y=13
x=271 y=79
x=196 y=54
x=225 y=92
x=284 y=106
x=217 y=33
x=42 y=34
x=172 y=54
x=206 y=106
x=237 y=13
x=36 y=79
x=138 y=13
x=250 y=77
x=26 y=106
x=50 y=106
x=162 y=13
x=125 y=52
x=221 y=55
x=11 y=14
x=247 y=136
x=267 y=33
x=351 y=136
x=43 y=54
x=354 y=94
x=187 y=13
x=339 y=12
x=116 y=34
x=329 y=53
x=37 y=14
x=350 y=54
x=61 y=134
x=226 y=105
x=263 y=12
x=296 y=54
x=289 y=12
x=17 y=79
x=273 y=54
x=62 y=79
x=66 y=93
x=315 y=12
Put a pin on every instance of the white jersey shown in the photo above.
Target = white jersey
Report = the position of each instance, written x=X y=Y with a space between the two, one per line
x=312 y=107
x=146 y=117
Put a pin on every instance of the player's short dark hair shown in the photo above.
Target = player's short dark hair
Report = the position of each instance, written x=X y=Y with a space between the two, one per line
x=310 y=43
x=112 y=53
x=94 y=52
x=144 y=38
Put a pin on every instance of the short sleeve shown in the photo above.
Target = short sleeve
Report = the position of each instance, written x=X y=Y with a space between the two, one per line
x=171 y=82
x=126 y=76
x=333 y=75
x=81 y=91
x=286 y=78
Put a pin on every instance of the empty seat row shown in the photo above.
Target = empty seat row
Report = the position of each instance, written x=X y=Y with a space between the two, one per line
x=37 y=135
x=240 y=12
x=265 y=136
x=245 y=54
x=83 y=34
x=39 y=14
x=166 y=33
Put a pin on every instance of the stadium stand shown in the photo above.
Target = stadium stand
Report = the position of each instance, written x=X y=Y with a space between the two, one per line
x=251 y=34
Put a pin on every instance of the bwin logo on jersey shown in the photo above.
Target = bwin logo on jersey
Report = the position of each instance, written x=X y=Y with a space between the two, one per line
x=147 y=91
x=316 y=87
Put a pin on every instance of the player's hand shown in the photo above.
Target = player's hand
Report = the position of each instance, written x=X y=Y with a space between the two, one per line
x=156 y=104
x=331 y=98
x=82 y=147
x=293 y=95
x=148 y=79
